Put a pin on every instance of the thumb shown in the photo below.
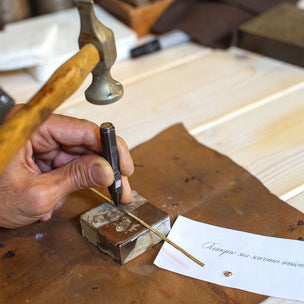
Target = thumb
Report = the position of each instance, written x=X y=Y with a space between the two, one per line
x=83 y=172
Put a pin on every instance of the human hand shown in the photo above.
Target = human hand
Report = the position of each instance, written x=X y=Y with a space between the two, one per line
x=62 y=156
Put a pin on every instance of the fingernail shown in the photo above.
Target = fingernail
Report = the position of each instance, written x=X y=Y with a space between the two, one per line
x=47 y=216
x=102 y=174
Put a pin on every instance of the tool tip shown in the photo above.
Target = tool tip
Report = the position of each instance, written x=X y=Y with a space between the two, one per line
x=115 y=198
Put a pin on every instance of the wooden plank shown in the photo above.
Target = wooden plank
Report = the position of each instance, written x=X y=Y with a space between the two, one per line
x=297 y=202
x=22 y=86
x=267 y=141
x=278 y=301
x=133 y=70
x=197 y=92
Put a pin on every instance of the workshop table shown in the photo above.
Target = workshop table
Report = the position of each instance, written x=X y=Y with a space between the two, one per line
x=246 y=106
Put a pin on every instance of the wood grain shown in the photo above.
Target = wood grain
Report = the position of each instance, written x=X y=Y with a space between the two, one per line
x=131 y=71
x=194 y=92
x=266 y=141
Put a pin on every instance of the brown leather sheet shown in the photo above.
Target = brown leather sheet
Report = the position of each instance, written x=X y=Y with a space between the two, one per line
x=53 y=263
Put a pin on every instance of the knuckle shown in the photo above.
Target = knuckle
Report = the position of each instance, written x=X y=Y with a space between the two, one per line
x=79 y=177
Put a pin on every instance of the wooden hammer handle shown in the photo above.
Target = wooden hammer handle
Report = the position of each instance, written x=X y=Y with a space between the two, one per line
x=64 y=82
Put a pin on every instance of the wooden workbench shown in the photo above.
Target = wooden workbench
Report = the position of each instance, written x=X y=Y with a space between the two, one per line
x=246 y=106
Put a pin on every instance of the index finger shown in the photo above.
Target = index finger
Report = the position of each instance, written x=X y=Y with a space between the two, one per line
x=68 y=132
x=77 y=137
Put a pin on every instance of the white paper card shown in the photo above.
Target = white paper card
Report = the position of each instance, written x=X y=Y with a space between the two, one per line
x=260 y=264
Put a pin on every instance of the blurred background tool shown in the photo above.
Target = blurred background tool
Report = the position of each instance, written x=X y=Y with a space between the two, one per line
x=139 y=18
x=6 y=103
x=165 y=41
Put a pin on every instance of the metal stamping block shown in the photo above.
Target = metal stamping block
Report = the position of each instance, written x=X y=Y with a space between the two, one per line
x=118 y=235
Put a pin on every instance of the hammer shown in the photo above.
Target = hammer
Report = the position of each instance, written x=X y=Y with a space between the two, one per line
x=98 y=53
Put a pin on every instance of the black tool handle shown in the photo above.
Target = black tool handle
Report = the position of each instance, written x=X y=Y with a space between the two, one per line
x=145 y=49
x=6 y=103
x=110 y=153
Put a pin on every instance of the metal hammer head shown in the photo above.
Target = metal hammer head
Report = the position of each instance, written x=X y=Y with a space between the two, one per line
x=104 y=89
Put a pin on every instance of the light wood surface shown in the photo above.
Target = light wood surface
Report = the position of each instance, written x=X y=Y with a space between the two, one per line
x=246 y=106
